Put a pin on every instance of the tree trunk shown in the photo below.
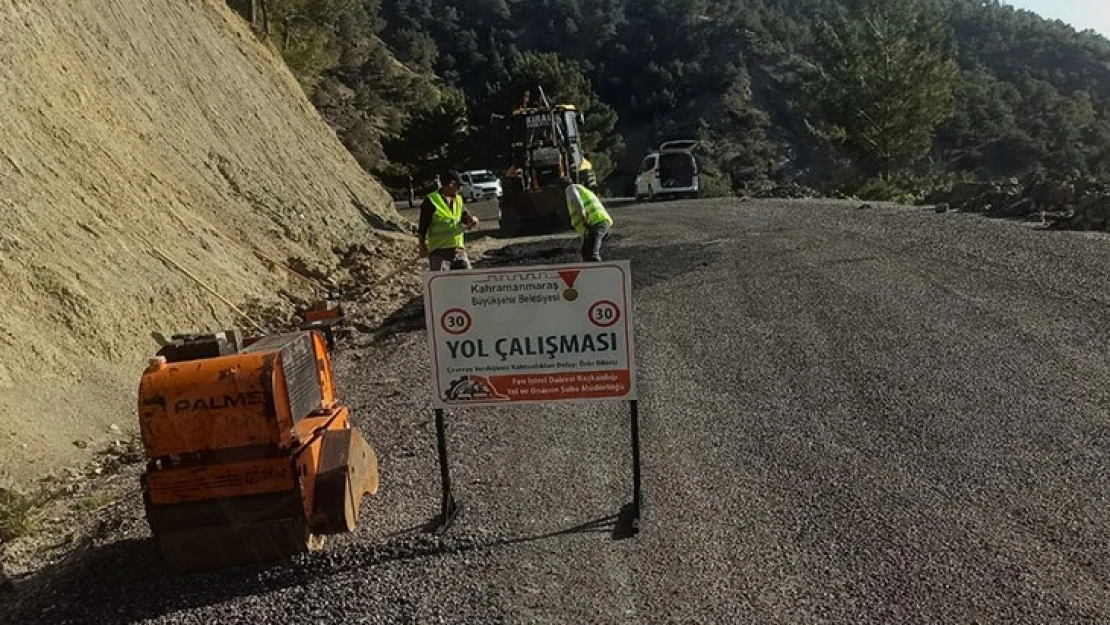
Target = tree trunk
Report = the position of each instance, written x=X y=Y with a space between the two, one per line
x=265 y=17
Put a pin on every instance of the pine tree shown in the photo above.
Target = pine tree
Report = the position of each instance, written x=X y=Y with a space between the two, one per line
x=885 y=81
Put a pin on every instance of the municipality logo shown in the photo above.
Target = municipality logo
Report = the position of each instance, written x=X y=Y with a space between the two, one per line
x=569 y=278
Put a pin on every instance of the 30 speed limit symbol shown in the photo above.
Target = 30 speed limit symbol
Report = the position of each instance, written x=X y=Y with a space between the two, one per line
x=604 y=314
x=455 y=321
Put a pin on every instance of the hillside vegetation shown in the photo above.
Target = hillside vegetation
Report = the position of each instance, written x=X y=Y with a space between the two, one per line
x=775 y=89
x=133 y=129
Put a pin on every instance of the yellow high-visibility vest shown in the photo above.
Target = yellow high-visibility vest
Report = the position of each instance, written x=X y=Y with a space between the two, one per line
x=595 y=210
x=446 y=229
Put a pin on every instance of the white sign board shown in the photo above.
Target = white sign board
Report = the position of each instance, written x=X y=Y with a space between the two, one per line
x=531 y=334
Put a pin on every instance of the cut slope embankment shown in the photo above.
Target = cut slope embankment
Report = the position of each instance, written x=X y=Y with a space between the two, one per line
x=132 y=128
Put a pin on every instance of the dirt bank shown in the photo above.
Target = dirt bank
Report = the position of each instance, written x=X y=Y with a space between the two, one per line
x=133 y=128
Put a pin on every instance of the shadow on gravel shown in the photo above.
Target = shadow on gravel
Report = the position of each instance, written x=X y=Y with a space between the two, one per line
x=611 y=525
x=407 y=318
x=619 y=527
x=650 y=265
x=547 y=228
x=547 y=252
x=127 y=581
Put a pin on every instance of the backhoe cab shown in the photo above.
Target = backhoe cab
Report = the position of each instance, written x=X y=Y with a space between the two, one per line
x=541 y=144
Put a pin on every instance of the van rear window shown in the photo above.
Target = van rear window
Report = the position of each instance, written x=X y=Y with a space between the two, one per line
x=677 y=170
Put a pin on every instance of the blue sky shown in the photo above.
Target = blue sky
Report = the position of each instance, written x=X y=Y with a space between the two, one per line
x=1082 y=14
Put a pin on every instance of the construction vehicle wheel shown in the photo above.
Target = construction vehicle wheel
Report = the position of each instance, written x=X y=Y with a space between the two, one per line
x=348 y=471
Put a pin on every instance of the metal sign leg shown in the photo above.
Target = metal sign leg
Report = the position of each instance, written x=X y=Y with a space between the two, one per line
x=637 y=496
x=448 y=508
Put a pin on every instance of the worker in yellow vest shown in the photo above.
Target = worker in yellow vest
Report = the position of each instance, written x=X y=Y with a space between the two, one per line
x=589 y=218
x=443 y=224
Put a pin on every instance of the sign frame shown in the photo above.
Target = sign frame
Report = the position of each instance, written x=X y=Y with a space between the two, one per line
x=449 y=507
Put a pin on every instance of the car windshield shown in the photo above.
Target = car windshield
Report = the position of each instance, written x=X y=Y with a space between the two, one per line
x=478 y=178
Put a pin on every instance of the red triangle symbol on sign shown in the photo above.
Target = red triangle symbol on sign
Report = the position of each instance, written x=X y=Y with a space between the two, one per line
x=569 y=277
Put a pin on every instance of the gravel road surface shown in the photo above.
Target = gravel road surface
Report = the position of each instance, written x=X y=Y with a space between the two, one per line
x=876 y=415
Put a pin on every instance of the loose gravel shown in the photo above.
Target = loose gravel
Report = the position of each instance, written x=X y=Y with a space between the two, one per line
x=880 y=416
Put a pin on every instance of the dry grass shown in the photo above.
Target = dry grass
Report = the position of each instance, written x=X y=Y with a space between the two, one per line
x=20 y=515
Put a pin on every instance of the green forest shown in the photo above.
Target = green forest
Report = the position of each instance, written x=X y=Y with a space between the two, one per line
x=876 y=98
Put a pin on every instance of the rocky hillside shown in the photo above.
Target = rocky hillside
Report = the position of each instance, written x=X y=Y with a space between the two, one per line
x=136 y=131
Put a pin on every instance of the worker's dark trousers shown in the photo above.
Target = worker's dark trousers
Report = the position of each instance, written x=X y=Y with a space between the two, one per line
x=448 y=258
x=592 y=240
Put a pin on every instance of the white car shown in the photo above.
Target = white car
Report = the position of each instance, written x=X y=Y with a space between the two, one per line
x=670 y=172
x=479 y=184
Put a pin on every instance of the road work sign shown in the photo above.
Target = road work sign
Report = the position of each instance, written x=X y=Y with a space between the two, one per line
x=531 y=334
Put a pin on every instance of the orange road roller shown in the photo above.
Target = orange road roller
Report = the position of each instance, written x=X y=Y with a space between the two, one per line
x=250 y=455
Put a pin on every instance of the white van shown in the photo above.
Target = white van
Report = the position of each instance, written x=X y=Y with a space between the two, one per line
x=669 y=172
x=479 y=184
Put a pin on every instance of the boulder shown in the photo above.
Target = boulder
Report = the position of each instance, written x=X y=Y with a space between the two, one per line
x=964 y=193
x=1051 y=193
